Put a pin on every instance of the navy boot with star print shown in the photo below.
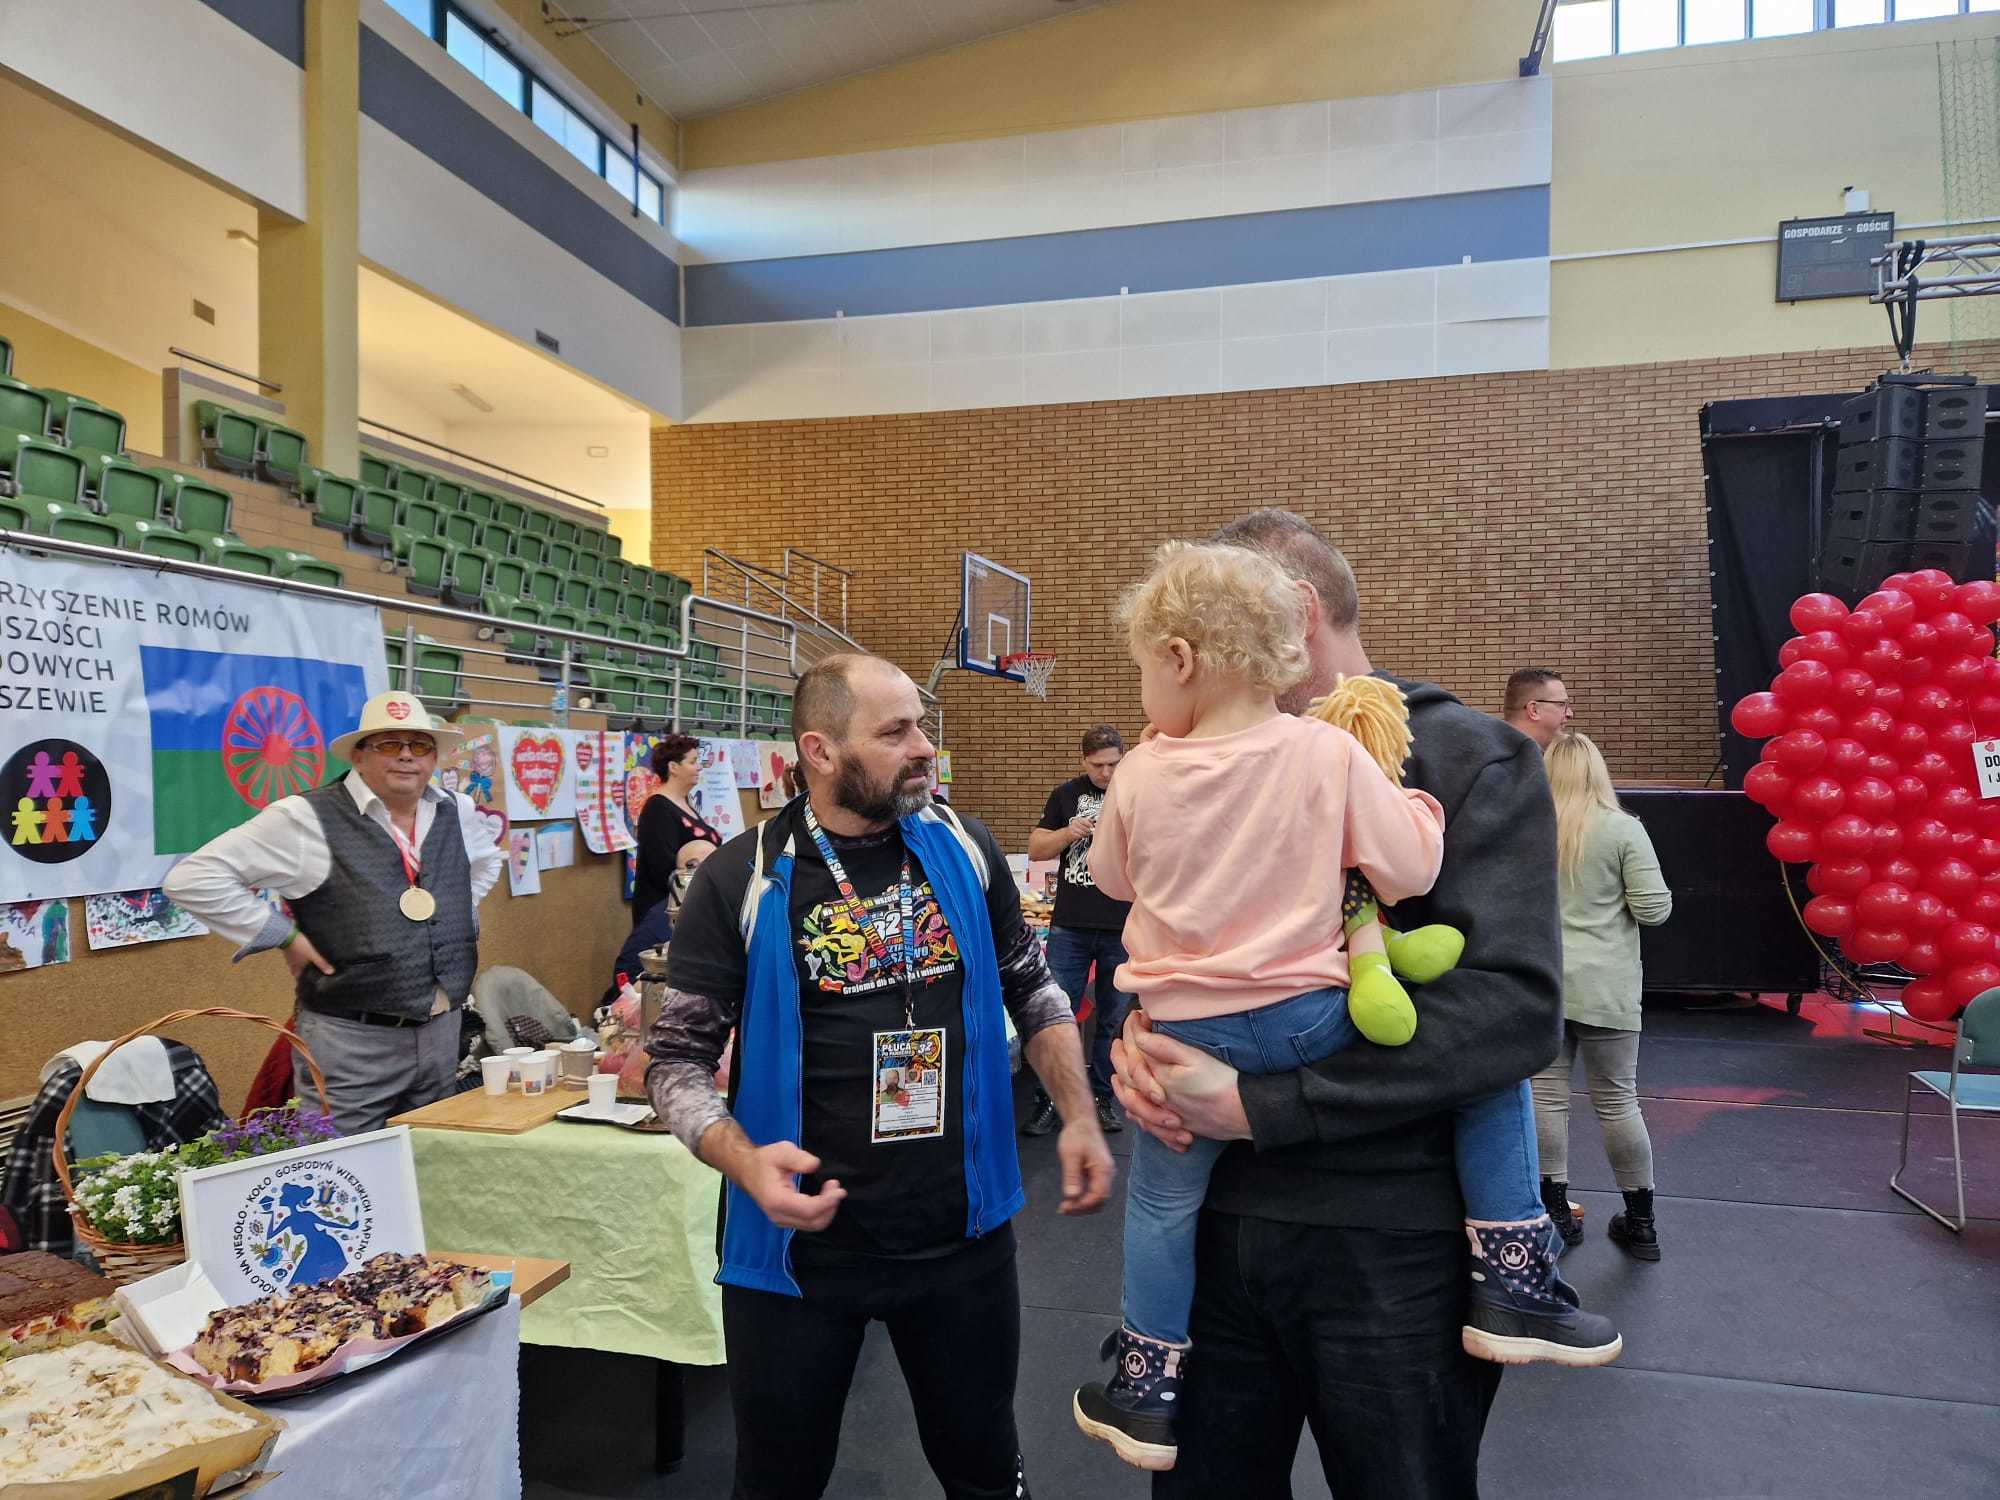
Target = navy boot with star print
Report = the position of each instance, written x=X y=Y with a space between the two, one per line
x=1134 y=1410
x=1521 y=1310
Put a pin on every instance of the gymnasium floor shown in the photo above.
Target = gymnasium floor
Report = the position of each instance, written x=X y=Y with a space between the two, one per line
x=1807 y=1333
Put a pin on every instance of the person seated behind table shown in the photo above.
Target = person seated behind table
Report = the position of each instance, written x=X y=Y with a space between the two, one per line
x=656 y=927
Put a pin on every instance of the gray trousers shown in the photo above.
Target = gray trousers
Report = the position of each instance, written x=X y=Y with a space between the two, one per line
x=1611 y=1059
x=373 y=1072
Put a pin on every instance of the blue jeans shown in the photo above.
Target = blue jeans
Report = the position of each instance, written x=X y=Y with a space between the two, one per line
x=1072 y=950
x=1494 y=1142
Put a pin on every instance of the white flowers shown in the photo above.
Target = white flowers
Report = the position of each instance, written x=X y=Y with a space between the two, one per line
x=133 y=1200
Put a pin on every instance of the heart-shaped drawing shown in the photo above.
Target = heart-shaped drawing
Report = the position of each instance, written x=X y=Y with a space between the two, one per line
x=585 y=753
x=537 y=769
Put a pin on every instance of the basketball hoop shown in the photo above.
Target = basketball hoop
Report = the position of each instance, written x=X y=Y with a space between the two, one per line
x=1035 y=667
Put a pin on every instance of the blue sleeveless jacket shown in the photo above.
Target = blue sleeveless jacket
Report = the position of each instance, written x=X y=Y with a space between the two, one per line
x=755 y=1252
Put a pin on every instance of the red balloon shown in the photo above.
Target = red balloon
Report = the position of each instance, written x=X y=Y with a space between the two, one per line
x=1845 y=837
x=1983 y=907
x=1870 y=796
x=1862 y=629
x=1926 y=838
x=1986 y=716
x=1793 y=650
x=1925 y=1001
x=1953 y=739
x=1915 y=670
x=1908 y=741
x=1799 y=751
x=1830 y=916
x=1883 y=768
x=1966 y=942
x=1912 y=791
x=1826 y=647
x=1958 y=634
x=1845 y=758
x=1871 y=945
x=1954 y=807
x=1992 y=675
x=1758 y=716
x=1819 y=612
x=1978 y=601
x=1898 y=871
x=1821 y=720
x=1844 y=877
x=1968 y=982
x=1885 y=905
x=1853 y=690
x=1872 y=726
x=1934 y=769
x=1885 y=841
x=1985 y=856
x=1953 y=880
x=1963 y=842
x=1889 y=698
x=1766 y=785
x=1794 y=843
x=1922 y=639
x=1922 y=957
x=1931 y=588
x=1818 y=798
x=1931 y=704
x=1928 y=915
x=1893 y=607
x=1962 y=675
x=1804 y=684
x=1882 y=660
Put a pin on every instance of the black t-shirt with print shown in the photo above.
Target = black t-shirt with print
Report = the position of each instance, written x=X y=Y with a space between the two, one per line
x=905 y=1198
x=1079 y=903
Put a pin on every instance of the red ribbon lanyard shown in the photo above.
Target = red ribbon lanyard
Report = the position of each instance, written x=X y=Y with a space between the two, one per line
x=413 y=859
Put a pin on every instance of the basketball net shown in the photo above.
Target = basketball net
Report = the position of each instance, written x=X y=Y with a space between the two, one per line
x=1035 y=667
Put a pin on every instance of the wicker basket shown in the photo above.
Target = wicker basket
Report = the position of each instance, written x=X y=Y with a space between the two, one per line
x=123 y=1263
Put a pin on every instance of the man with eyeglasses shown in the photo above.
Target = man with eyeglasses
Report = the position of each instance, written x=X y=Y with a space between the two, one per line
x=1538 y=704
x=384 y=873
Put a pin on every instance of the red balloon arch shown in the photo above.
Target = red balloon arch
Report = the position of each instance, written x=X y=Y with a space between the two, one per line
x=1868 y=768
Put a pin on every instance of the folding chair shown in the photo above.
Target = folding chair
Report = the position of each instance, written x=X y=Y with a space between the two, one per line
x=1978 y=1046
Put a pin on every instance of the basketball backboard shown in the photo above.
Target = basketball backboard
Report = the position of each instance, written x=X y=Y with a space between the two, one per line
x=994 y=619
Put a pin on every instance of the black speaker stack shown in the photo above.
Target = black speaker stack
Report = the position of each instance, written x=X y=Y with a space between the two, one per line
x=1907 y=486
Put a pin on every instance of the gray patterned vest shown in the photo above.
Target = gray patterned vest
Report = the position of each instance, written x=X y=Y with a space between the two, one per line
x=382 y=961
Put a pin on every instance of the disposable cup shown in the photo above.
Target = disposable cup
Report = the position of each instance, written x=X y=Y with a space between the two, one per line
x=603 y=1092
x=494 y=1073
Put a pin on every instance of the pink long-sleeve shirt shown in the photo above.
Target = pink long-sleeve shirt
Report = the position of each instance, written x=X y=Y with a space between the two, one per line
x=1233 y=852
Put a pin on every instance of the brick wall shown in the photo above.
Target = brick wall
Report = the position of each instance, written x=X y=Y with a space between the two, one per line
x=1550 y=518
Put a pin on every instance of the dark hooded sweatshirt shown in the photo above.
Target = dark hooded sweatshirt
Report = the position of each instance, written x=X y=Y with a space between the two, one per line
x=1364 y=1138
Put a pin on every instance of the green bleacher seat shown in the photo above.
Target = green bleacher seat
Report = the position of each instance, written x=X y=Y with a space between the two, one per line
x=159 y=542
x=427 y=558
x=242 y=557
x=664 y=615
x=228 y=438
x=13 y=516
x=376 y=520
x=414 y=483
x=604 y=600
x=129 y=497
x=543 y=586
x=632 y=608
x=281 y=453
x=6 y=358
x=563 y=529
x=460 y=529
x=421 y=518
x=498 y=538
x=482 y=503
x=335 y=501
x=532 y=549
x=438 y=680
x=616 y=572
x=591 y=651
x=82 y=423
x=202 y=510
x=506 y=581
x=537 y=522
x=588 y=566
x=613 y=546
x=303 y=567
x=590 y=539
x=39 y=468
x=661 y=641
x=576 y=592
x=377 y=473
x=639 y=578
x=465 y=576
x=447 y=494
x=73 y=525
x=526 y=615
x=562 y=556
x=511 y=513
x=23 y=408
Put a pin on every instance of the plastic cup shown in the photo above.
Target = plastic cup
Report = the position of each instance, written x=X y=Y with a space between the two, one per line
x=495 y=1072
x=603 y=1092
x=538 y=1072
x=514 y=1056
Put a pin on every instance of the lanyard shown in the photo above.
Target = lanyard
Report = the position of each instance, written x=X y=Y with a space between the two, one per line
x=878 y=946
x=413 y=859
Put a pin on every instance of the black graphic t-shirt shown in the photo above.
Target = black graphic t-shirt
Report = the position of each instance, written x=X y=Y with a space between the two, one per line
x=1079 y=903
x=905 y=1198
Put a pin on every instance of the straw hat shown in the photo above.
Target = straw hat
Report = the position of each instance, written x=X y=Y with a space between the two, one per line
x=386 y=713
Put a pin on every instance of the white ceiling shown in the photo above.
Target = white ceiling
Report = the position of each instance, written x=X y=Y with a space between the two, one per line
x=695 y=57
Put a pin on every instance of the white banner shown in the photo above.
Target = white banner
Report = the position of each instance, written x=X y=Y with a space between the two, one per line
x=142 y=714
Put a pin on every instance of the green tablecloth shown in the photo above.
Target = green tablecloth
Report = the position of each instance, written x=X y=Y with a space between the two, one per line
x=634 y=1215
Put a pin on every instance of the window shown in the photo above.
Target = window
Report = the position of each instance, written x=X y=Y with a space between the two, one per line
x=1924 y=10
x=1648 y=25
x=566 y=127
x=421 y=14
x=469 y=46
x=1714 y=21
x=652 y=198
x=1781 y=17
x=1583 y=30
x=1860 y=12
x=618 y=171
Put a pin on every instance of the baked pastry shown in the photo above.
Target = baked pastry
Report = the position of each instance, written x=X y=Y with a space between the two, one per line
x=98 y=1408
x=46 y=1302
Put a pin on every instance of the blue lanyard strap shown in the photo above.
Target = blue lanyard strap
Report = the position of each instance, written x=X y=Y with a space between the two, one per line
x=878 y=945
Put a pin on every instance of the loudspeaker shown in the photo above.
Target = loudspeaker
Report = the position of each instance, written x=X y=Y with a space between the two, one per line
x=1901 y=515
x=1913 y=411
x=1910 y=464
x=1855 y=569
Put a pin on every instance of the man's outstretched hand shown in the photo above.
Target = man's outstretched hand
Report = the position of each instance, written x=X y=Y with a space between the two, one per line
x=1175 y=1092
x=1087 y=1169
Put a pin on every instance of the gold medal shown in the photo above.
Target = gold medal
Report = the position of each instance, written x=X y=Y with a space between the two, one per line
x=418 y=904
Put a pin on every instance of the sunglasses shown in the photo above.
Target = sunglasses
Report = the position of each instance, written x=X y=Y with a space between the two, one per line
x=389 y=745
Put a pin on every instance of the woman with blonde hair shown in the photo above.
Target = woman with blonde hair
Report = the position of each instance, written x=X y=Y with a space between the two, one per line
x=1611 y=886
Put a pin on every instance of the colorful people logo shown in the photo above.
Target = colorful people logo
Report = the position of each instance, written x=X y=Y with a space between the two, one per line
x=57 y=797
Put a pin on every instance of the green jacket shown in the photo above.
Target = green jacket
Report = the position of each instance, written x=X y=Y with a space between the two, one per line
x=1616 y=889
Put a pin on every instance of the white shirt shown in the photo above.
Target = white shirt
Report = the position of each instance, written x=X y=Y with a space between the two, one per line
x=283 y=849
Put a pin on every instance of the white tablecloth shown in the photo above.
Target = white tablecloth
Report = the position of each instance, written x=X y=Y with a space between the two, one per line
x=440 y=1419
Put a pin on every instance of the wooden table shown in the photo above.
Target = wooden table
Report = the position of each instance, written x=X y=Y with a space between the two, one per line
x=532 y=1274
x=493 y=1114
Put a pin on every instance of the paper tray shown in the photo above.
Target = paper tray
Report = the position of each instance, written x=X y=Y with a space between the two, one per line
x=350 y=1358
x=637 y=1117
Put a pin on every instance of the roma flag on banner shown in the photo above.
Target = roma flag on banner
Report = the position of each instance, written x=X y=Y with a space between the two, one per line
x=232 y=734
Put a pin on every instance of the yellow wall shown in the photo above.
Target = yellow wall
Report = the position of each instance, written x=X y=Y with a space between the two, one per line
x=45 y=355
x=1716 y=143
x=1130 y=61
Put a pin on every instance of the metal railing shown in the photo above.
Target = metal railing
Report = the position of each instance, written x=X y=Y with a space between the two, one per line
x=567 y=670
x=484 y=463
x=216 y=364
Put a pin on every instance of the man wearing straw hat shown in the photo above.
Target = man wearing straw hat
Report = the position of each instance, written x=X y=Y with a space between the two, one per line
x=384 y=873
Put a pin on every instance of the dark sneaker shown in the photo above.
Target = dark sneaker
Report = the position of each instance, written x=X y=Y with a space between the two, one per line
x=1521 y=1311
x=1634 y=1231
x=1567 y=1216
x=1043 y=1118
x=1107 y=1116
x=1134 y=1413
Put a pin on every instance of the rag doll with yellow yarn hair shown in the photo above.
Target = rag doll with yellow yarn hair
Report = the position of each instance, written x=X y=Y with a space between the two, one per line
x=1373 y=711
